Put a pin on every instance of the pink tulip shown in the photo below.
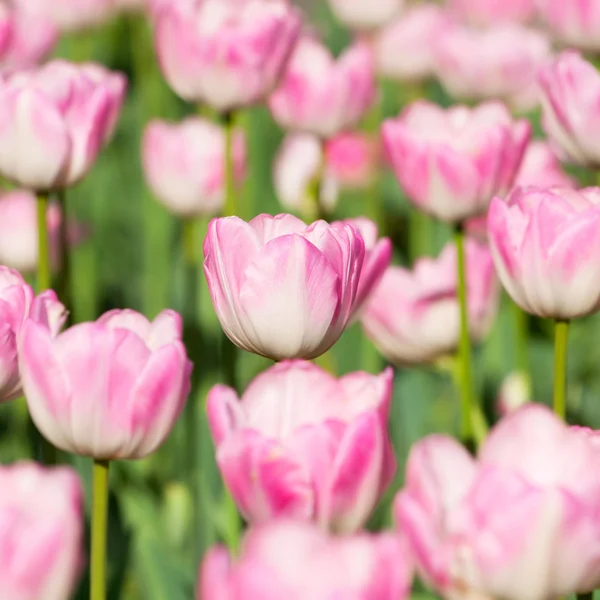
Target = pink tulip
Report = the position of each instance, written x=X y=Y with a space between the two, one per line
x=404 y=50
x=6 y=26
x=364 y=14
x=184 y=165
x=545 y=244
x=227 y=53
x=352 y=158
x=570 y=101
x=19 y=231
x=576 y=23
x=41 y=520
x=452 y=161
x=493 y=12
x=109 y=389
x=299 y=161
x=54 y=122
x=70 y=15
x=520 y=523
x=378 y=254
x=17 y=304
x=303 y=444
x=282 y=289
x=515 y=391
x=497 y=63
x=321 y=95
x=413 y=316
x=296 y=561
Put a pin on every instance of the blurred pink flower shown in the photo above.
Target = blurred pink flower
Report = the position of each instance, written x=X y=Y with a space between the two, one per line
x=184 y=164
x=493 y=12
x=282 y=289
x=404 y=49
x=570 y=102
x=55 y=120
x=297 y=561
x=451 y=162
x=18 y=304
x=111 y=389
x=545 y=244
x=69 y=15
x=226 y=53
x=520 y=523
x=575 y=23
x=413 y=316
x=19 y=231
x=41 y=519
x=353 y=159
x=365 y=14
x=303 y=444
x=514 y=392
x=321 y=95
x=500 y=63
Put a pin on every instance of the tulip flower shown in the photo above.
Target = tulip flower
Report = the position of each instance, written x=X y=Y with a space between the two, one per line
x=491 y=12
x=378 y=254
x=519 y=523
x=287 y=559
x=576 y=24
x=404 y=50
x=41 y=518
x=18 y=304
x=279 y=288
x=303 y=444
x=497 y=63
x=226 y=53
x=19 y=231
x=515 y=391
x=321 y=95
x=363 y=15
x=70 y=15
x=571 y=93
x=184 y=165
x=55 y=121
x=352 y=158
x=413 y=316
x=451 y=162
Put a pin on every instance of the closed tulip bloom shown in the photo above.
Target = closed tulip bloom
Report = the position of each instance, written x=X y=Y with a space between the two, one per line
x=405 y=49
x=226 y=53
x=353 y=159
x=500 y=63
x=570 y=117
x=364 y=15
x=287 y=559
x=492 y=12
x=110 y=389
x=19 y=231
x=18 y=304
x=184 y=164
x=519 y=523
x=282 y=289
x=413 y=316
x=70 y=15
x=303 y=444
x=321 y=95
x=378 y=254
x=575 y=23
x=545 y=244
x=41 y=520
x=451 y=162
x=299 y=162
x=55 y=120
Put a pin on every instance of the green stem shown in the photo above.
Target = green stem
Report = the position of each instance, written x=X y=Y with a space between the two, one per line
x=99 y=530
x=467 y=396
x=44 y=281
x=420 y=233
x=64 y=253
x=231 y=204
x=561 y=333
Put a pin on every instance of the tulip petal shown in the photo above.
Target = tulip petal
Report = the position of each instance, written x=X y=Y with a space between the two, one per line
x=224 y=411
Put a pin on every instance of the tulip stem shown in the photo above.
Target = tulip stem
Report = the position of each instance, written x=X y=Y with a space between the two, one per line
x=64 y=254
x=467 y=394
x=561 y=334
x=99 y=530
x=231 y=207
x=419 y=234
x=43 y=266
